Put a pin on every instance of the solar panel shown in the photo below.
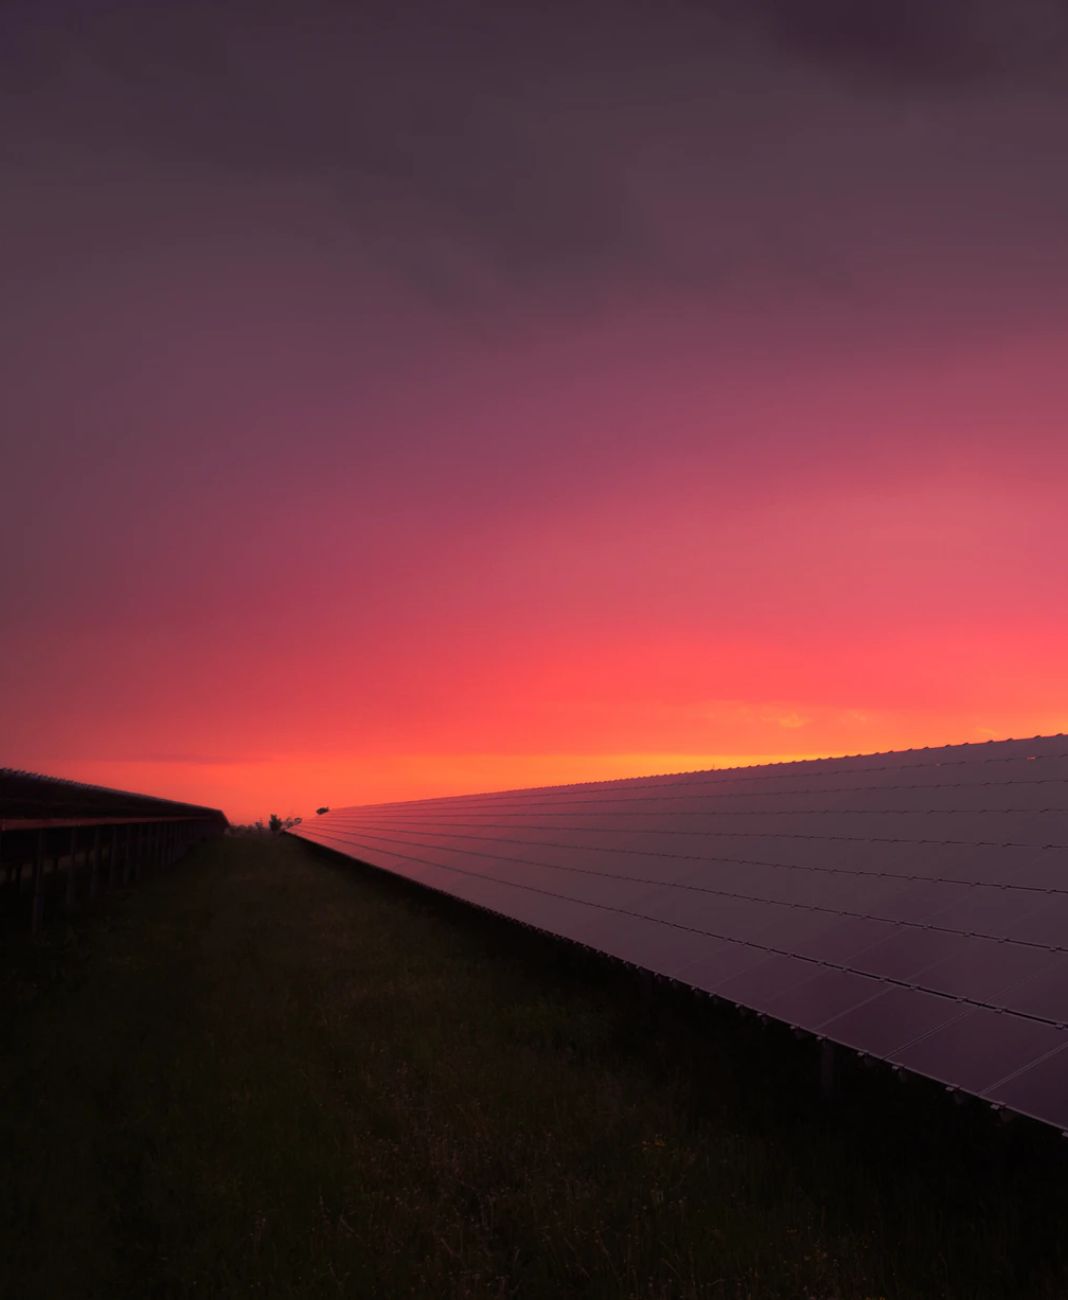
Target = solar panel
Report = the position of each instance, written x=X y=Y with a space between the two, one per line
x=912 y=906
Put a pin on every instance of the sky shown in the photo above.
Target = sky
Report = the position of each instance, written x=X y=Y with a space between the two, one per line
x=415 y=399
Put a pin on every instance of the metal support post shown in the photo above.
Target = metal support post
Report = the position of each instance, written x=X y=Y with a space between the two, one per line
x=826 y=1069
x=71 y=899
x=94 y=864
x=37 y=911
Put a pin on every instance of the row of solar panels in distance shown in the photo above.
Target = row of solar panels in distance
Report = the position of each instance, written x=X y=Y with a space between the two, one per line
x=1001 y=763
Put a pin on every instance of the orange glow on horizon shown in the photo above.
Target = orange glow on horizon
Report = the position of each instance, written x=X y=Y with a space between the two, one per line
x=298 y=784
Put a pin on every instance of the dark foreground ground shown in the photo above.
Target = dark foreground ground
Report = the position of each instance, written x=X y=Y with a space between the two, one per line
x=268 y=1073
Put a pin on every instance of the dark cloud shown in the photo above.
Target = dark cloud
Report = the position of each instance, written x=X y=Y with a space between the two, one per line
x=449 y=118
x=912 y=39
x=506 y=157
x=923 y=42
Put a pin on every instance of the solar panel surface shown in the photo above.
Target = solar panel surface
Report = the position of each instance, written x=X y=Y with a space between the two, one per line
x=912 y=906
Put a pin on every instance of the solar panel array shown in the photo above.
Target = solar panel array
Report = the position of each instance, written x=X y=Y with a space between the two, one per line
x=31 y=797
x=912 y=906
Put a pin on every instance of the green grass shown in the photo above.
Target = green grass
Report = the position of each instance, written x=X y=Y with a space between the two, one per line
x=270 y=1073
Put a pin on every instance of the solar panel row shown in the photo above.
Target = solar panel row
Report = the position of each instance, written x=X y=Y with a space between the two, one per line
x=911 y=906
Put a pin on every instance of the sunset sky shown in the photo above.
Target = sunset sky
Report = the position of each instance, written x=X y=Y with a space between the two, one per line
x=404 y=399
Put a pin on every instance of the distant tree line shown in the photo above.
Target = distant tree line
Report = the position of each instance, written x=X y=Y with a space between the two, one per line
x=274 y=825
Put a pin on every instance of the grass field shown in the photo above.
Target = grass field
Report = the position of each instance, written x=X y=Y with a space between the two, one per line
x=271 y=1073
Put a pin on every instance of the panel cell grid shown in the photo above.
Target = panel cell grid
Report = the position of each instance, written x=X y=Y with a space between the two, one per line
x=913 y=905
